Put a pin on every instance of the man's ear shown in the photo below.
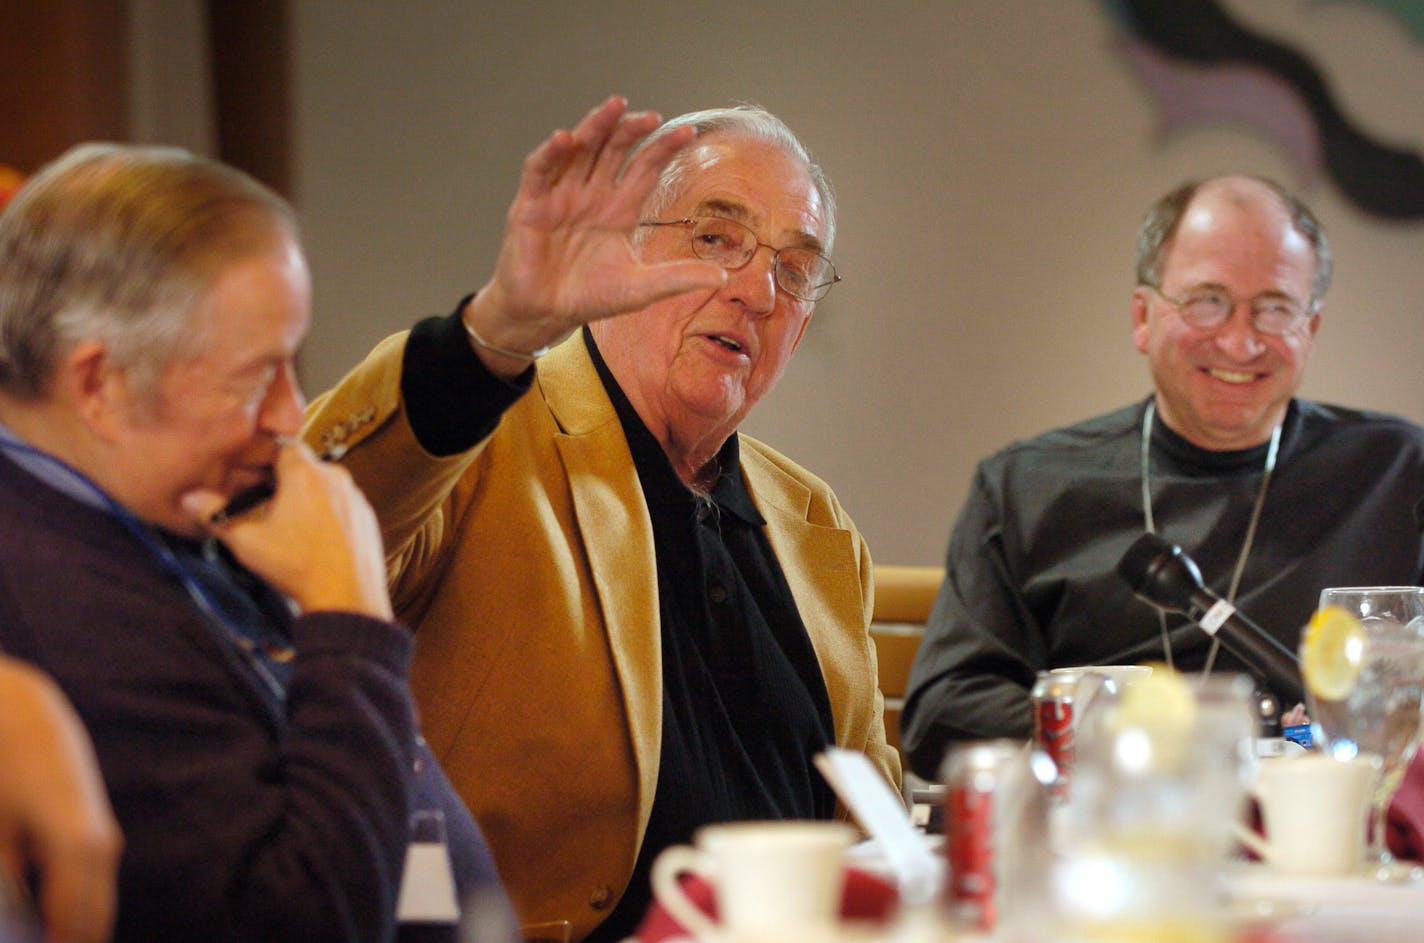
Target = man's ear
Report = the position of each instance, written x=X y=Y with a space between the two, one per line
x=94 y=388
x=1139 y=318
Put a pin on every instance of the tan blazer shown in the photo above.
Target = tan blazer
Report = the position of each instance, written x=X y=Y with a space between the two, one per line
x=526 y=568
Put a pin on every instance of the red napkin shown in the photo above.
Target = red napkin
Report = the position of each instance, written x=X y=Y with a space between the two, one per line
x=866 y=897
x=1404 y=824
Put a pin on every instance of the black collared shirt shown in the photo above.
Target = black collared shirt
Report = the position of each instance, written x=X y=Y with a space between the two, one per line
x=745 y=707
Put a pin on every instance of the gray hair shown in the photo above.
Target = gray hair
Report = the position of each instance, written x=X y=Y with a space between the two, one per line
x=750 y=121
x=121 y=244
x=1160 y=225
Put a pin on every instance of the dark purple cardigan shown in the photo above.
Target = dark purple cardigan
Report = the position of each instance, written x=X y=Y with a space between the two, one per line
x=244 y=819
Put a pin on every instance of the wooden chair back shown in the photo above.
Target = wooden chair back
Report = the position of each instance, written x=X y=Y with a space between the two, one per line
x=903 y=598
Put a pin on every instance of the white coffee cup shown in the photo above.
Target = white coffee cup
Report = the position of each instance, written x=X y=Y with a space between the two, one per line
x=774 y=881
x=1314 y=809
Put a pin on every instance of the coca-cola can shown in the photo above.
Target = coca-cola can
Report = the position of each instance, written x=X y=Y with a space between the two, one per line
x=1054 y=696
x=983 y=782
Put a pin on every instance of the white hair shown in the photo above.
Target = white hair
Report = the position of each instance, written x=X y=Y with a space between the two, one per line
x=750 y=121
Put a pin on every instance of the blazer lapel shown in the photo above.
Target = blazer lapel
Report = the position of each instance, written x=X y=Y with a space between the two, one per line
x=614 y=528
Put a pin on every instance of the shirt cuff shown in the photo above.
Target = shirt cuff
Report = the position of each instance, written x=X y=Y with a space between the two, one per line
x=451 y=399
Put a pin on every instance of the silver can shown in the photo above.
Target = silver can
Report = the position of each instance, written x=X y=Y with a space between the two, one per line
x=1054 y=698
x=984 y=782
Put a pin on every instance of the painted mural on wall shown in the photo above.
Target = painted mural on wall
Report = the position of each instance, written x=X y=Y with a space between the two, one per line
x=1200 y=65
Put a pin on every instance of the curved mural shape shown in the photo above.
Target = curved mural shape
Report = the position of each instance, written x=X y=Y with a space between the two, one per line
x=1410 y=13
x=1200 y=64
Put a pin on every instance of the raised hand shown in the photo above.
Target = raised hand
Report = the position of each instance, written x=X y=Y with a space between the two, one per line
x=567 y=256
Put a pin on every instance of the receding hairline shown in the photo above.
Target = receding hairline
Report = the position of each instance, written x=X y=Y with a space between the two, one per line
x=745 y=122
x=1240 y=190
x=1157 y=234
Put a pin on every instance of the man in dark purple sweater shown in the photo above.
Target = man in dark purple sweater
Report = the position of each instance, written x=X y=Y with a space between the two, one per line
x=241 y=676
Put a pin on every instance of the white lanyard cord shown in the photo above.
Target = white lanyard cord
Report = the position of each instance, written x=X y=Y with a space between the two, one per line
x=1146 y=452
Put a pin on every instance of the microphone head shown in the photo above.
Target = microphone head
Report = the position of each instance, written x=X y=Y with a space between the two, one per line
x=1160 y=573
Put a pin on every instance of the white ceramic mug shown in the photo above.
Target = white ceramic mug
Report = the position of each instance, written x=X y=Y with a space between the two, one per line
x=1314 y=809
x=774 y=881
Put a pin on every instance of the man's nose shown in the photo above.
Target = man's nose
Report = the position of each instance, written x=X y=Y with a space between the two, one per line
x=754 y=284
x=1238 y=337
x=281 y=412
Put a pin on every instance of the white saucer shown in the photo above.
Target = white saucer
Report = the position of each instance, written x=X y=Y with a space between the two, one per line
x=1342 y=909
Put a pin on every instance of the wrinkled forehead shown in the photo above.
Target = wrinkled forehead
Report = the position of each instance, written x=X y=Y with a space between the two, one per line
x=755 y=182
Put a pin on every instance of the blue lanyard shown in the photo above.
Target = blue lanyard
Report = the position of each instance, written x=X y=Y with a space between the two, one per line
x=255 y=655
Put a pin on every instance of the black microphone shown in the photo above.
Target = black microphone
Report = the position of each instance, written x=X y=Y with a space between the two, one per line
x=1161 y=574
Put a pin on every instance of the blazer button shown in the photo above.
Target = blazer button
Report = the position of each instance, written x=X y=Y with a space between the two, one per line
x=601 y=898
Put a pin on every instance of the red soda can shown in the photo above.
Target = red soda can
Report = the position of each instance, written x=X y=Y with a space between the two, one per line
x=1053 y=696
x=982 y=781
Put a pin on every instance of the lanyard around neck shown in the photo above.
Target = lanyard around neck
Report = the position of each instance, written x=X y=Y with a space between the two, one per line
x=167 y=559
x=1146 y=454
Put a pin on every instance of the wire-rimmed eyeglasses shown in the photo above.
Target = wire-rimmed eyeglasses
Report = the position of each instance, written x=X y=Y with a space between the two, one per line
x=800 y=272
x=1209 y=308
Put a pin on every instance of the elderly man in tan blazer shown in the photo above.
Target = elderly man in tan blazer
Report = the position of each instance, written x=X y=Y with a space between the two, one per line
x=631 y=620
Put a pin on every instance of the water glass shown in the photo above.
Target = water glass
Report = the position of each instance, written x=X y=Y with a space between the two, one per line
x=1156 y=796
x=1380 y=716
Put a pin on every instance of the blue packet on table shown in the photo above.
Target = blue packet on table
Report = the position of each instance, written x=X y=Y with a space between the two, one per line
x=1298 y=733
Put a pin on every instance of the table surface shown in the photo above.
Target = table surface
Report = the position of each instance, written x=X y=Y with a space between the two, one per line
x=1355 y=909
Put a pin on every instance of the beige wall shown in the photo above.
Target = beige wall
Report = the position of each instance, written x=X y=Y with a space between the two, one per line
x=992 y=159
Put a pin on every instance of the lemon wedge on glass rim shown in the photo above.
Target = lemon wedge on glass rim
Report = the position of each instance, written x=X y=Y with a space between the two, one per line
x=1332 y=651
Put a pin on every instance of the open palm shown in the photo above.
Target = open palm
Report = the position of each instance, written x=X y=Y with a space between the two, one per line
x=567 y=255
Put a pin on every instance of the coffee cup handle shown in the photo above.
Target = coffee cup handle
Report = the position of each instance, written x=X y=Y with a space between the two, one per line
x=670 y=865
x=1258 y=845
